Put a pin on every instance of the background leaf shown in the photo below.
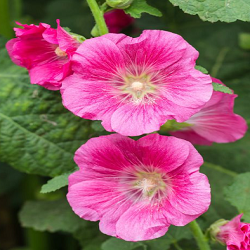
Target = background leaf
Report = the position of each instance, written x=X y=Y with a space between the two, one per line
x=216 y=10
x=221 y=88
x=37 y=134
x=238 y=194
x=51 y=216
x=140 y=6
x=55 y=183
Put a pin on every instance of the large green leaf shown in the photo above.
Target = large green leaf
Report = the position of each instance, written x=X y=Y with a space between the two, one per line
x=216 y=10
x=37 y=134
x=50 y=216
x=238 y=194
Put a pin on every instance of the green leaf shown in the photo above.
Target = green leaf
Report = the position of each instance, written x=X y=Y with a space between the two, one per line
x=114 y=244
x=173 y=235
x=238 y=194
x=140 y=6
x=222 y=88
x=201 y=69
x=216 y=10
x=244 y=40
x=55 y=183
x=219 y=207
x=91 y=238
x=37 y=134
x=52 y=216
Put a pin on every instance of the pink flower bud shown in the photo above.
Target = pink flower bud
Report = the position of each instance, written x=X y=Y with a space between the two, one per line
x=235 y=234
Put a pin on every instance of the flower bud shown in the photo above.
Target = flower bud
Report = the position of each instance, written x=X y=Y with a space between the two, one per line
x=234 y=233
x=214 y=229
x=119 y=4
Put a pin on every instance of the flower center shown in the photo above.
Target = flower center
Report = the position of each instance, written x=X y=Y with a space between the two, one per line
x=150 y=184
x=60 y=52
x=145 y=184
x=137 y=86
x=139 y=89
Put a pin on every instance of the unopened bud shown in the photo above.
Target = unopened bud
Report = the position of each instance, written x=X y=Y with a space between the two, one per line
x=215 y=229
x=119 y=4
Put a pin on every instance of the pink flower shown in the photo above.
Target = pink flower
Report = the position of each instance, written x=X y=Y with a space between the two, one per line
x=44 y=51
x=215 y=122
x=235 y=234
x=138 y=188
x=117 y=20
x=134 y=85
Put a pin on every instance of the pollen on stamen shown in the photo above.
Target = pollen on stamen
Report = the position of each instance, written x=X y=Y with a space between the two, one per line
x=60 y=52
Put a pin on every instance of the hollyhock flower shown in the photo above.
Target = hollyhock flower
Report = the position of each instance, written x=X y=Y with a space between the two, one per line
x=44 y=51
x=215 y=122
x=117 y=20
x=138 y=188
x=134 y=85
x=235 y=234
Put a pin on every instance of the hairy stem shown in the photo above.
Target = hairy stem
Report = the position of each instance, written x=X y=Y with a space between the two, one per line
x=98 y=16
x=199 y=236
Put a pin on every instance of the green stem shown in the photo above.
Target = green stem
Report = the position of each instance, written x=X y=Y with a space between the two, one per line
x=98 y=15
x=199 y=236
x=34 y=239
x=220 y=169
x=5 y=27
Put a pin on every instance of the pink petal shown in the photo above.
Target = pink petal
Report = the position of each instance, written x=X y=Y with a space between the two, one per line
x=191 y=194
x=101 y=152
x=191 y=136
x=166 y=153
x=65 y=40
x=231 y=233
x=136 y=119
x=89 y=100
x=189 y=89
x=158 y=49
x=141 y=223
x=50 y=35
x=49 y=73
x=90 y=199
x=97 y=59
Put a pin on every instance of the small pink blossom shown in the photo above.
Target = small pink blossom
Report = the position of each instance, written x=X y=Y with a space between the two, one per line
x=235 y=234
x=117 y=20
x=138 y=188
x=134 y=85
x=44 y=51
x=215 y=122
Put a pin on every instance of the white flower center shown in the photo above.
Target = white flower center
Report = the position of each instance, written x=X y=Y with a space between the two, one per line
x=60 y=52
x=137 y=86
